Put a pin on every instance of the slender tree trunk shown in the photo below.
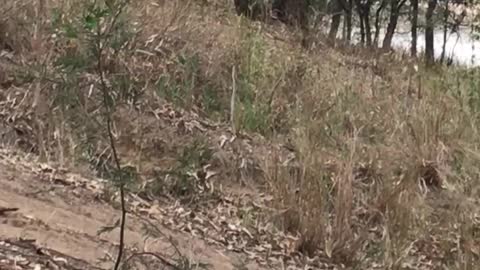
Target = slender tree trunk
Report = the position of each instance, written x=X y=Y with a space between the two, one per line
x=303 y=21
x=368 y=28
x=363 y=10
x=362 y=30
x=358 y=3
x=414 y=19
x=378 y=16
x=336 y=10
x=395 y=7
x=361 y=17
x=429 y=33
x=349 y=20
x=446 y=14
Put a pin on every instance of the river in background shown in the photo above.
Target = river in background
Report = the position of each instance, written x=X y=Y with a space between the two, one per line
x=461 y=47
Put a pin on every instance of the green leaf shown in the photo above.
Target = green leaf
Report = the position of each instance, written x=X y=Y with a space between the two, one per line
x=90 y=22
x=56 y=17
x=70 y=31
x=181 y=59
x=72 y=61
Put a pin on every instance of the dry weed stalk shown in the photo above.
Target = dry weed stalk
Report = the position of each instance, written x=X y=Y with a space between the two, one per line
x=233 y=99
x=344 y=203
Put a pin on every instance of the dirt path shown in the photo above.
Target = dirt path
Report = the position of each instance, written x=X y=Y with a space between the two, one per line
x=66 y=216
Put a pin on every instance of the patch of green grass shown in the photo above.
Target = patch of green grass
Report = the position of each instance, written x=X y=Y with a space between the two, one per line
x=211 y=102
x=178 y=86
x=256 y=117
x=255 y=72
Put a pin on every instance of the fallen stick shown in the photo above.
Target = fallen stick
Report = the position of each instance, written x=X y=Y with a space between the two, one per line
x=4 y=210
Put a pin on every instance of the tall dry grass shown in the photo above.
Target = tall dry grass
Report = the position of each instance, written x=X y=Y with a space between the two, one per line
x=377 y=160
x=386 y=158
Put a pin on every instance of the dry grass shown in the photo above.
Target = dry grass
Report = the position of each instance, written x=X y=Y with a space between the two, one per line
x=395 y=156
x=385 y=169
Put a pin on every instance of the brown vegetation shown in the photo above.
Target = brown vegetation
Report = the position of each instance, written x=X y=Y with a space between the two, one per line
x=347 y=165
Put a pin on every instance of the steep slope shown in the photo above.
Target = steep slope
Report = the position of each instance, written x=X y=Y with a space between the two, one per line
x=336 y=158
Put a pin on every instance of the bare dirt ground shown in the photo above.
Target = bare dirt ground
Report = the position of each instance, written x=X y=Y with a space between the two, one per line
x=65 y=214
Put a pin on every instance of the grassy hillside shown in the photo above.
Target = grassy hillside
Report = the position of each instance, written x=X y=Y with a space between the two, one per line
x=370 y=161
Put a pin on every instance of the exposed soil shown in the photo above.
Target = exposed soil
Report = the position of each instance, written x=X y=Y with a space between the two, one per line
x=62 y=216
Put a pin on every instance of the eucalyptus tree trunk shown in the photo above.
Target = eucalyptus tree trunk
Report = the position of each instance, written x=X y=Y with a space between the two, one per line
x=395 y=7
x=335 y=8
x=446 y=14
x=414 y=19
x=429 y=33
x=378 y=17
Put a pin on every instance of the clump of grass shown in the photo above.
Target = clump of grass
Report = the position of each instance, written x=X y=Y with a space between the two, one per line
x=186 y=180
x=179 y=86
x=373 y=163
x=258 y=79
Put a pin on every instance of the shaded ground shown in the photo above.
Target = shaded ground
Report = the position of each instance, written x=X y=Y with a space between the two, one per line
x=25 y=254
x=65 y=215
